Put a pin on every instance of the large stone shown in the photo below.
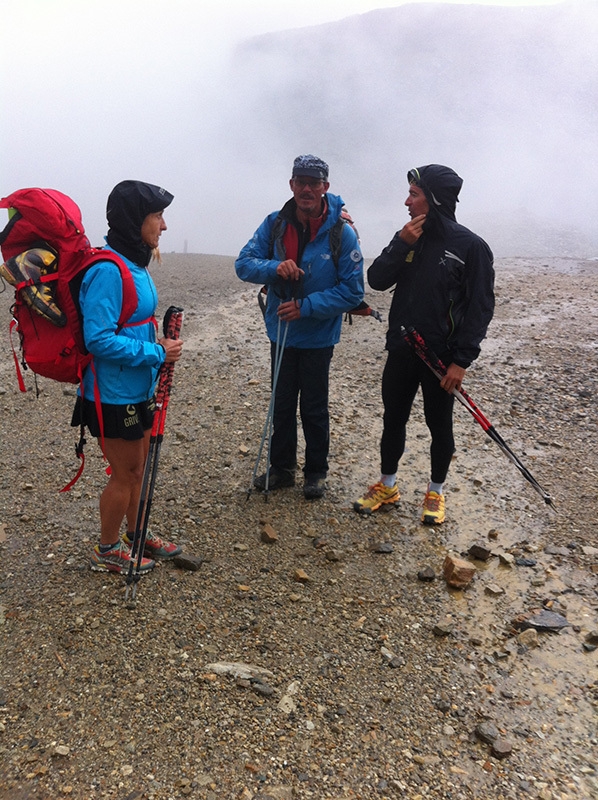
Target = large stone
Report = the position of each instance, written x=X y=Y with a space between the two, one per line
x=542 y=620
x=269 y=535
x=187 y=561
x=457 y=572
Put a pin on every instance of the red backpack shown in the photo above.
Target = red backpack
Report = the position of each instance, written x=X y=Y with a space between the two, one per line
x=53 y=348
x=46 y=254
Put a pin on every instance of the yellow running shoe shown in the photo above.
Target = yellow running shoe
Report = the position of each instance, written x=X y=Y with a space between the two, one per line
x=376 y=496
x=433 y=513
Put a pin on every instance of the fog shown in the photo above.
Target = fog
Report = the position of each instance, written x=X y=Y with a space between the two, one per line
x=93 y=93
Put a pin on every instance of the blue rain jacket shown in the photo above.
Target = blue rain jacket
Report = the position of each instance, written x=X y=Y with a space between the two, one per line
x=126 y=363
x=325 y=293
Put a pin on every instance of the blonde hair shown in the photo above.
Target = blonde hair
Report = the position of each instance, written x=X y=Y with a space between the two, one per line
x=156 y=255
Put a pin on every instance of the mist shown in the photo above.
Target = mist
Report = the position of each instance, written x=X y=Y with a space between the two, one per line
x=504 y=95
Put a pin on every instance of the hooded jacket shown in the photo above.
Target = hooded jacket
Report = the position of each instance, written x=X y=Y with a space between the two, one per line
x=444 y=283
x=128 y=205
x=126 y=361
x=325 y=293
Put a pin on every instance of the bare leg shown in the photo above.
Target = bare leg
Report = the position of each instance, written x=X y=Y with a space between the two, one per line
x=120 y=497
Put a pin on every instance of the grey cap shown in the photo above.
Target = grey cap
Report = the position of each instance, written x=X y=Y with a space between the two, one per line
x=312 y=166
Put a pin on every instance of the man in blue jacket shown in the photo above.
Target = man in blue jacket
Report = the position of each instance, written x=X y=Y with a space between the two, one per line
x=443 y=278
x=310 y=286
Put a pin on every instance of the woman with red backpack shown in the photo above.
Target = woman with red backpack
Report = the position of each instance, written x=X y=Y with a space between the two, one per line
x=126 y=362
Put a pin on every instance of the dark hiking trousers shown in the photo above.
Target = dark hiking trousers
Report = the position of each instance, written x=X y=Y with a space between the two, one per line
x=303 y=377
x=403 y=374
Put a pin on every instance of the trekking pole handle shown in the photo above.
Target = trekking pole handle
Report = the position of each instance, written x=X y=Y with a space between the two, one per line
x=173 y=322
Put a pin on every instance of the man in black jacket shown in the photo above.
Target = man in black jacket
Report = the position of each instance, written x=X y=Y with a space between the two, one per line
x=443 y=276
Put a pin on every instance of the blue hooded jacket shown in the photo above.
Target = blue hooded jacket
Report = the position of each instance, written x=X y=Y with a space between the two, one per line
x=126 y=363
x=325 y=293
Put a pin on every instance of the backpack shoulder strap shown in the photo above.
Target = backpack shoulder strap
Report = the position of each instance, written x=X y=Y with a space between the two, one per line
x=275 y=234
x=129 y=304
x=336 y=236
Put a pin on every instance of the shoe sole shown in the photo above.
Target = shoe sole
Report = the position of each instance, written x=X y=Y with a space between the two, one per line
x=147 y=552
x=426 y=520
x=274 y=488
x=368 y=510
x=118 y=570
x=165 y=557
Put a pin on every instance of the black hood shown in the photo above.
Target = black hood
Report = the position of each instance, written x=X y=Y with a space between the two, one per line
x=441 y=185
x=129 y=203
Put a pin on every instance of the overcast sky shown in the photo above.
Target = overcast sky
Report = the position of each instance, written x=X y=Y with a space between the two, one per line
x=247 y=17
x=95 y=91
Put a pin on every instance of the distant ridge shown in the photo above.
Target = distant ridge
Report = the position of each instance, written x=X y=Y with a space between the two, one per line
x=505 y=95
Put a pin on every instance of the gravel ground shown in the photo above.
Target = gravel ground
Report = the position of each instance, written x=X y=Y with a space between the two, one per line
x=314 y=664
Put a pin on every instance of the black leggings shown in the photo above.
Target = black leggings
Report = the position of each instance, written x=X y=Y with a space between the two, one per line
x=403 y=374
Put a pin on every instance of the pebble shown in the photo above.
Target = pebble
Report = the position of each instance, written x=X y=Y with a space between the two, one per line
x=525 y=562
x=555 y=550
x=269 y=535
x=487 y=732
x=426 y=574
x=528 y=638
x=444 y=627
x=187 y=561
x=501 y=748
x=480 y=550
x=494 y=590
x=382 y=547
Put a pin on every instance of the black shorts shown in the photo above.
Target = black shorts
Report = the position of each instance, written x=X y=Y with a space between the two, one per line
x=129 y=421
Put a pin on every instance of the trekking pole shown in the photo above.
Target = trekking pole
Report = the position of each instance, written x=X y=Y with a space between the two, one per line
x=432 y=361
x=173 y=321
x=292 y=293
x=269 y=423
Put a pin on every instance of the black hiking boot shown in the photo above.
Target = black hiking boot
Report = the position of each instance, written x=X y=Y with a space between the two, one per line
x=314 y=487
x=279 y=479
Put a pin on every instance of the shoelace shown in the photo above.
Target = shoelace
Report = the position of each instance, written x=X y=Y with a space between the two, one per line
x=432 y=503
x=118 y=550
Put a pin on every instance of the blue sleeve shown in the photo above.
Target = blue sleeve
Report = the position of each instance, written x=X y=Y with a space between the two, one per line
x=349 y=290
x=101 y=302
x=254 y=264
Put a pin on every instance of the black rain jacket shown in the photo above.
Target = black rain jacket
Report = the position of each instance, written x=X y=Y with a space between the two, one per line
x=444 y=283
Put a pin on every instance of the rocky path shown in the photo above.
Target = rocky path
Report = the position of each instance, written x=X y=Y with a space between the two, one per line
x=305 y=658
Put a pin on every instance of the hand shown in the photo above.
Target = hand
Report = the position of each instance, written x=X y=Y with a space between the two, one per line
x=289 y=271
x=453 y=378
x=413 y=229
x=173 y=347
x=289 y=311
